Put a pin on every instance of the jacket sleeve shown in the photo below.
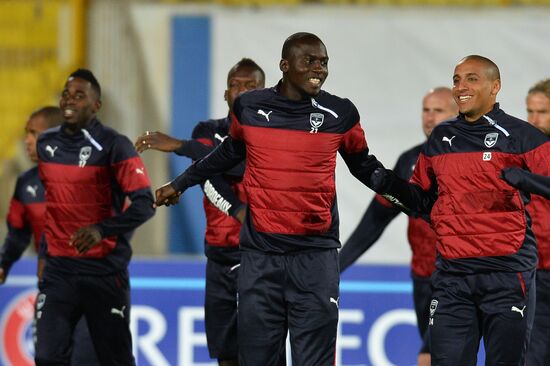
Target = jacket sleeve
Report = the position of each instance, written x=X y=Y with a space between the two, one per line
x=194 y=149
x=378 y=215
x=416 y=197
x=132 y=178
x=355 y=152
x=527 y=181
x=19 y=233
x=228 y=154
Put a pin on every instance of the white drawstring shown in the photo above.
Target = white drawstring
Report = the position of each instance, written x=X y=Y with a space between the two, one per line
x=91 y=139
x=317 y=105
x=493 y=123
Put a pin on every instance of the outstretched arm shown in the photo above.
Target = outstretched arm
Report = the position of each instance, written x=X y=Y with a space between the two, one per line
x=526 y=181
x=225 y=156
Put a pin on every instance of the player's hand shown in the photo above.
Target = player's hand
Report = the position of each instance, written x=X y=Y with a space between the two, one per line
x=85 y=238
x=380 y=180
x=166 y=196
x=2 y=276
x=157 y=141
x=241 y=214
x=512 y=176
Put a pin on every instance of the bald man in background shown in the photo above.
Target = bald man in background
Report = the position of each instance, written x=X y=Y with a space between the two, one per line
x=438 y=105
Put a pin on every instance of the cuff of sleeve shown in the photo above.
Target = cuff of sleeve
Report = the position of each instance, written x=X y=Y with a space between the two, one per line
x=184 y=149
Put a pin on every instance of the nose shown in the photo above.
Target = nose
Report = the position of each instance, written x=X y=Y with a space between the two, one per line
x=318 y=66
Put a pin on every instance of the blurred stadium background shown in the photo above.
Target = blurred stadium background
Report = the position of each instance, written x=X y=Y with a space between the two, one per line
x=163 y=64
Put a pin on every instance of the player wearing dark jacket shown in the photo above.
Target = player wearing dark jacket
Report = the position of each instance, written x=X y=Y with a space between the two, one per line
x=26 y=218
x=290 y=135
x=484 y=281
x=437 y=105
x=88 y=171
x=224 y=206
x=538 y=114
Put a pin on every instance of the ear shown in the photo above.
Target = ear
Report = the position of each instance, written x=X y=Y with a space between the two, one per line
x=97 y=105
x=496 y=87
x=283 y=65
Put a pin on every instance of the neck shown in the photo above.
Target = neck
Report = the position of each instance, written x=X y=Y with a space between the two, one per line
x=73 y=128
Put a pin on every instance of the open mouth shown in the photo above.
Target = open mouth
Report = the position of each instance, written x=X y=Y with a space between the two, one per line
x=464 y=98
x=315 y=81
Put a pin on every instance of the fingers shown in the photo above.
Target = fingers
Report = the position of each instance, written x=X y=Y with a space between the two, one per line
x=166 y=196
x=84 y=239
x=145 y=141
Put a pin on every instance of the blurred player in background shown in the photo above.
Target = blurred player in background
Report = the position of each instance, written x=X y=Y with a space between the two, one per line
x=26 y=219
x=437 y=105
x=88 y=171
x=538 y=114
x=224 y=207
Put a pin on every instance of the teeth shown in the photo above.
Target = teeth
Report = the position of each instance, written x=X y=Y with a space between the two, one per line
x=68 y=112
x=315 y=81
x=464 y=98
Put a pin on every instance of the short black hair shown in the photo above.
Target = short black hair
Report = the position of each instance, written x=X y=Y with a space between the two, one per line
x=52 y=115
x=246 y=62
x=87 y=75
x=291 y=42
x=492 y=70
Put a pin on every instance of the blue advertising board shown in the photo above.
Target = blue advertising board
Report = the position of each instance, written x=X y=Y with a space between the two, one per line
x=377 y=321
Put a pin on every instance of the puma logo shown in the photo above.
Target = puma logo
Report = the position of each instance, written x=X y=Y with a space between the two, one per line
x=335 y=301
x=266 y=115
x=118 y=312
x=449 y=140
x=217 y=136
x=32 y=190
x=518 y=310
x=51 y=150
x=140 y=171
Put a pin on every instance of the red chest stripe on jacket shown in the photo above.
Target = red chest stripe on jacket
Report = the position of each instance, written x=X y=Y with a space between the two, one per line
x=289 y=179
x=223 y=230
x=35 y=216
x=476 y=213
x=75 y=197
x=422 y=240
x=539 y=209
x=131 y=174
x=236 y=130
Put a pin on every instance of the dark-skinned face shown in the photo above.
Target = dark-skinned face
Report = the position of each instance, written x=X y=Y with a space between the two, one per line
x=243 y=79
x=305 y=70
x=79 y=102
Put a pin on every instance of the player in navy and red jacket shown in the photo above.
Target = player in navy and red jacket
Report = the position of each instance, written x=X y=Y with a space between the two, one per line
x=484 y=282
x=224 y=206
x=437 y=105
x=538 y=114
x=26 y=218
x=290 y=134
x=88 y=171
